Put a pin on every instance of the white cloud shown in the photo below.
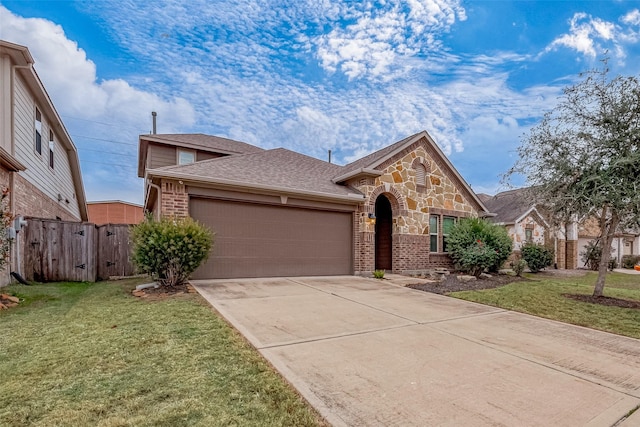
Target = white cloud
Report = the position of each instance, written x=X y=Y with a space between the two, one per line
x=373 y=45
x=87 y=103
x=592 y=36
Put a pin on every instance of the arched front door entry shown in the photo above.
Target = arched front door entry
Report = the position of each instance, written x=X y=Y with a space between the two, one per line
x=384 y=247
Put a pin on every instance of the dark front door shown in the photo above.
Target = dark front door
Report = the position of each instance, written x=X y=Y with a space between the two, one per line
x=383 y=234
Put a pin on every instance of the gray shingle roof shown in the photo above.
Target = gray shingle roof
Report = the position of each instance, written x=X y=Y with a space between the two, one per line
x=209 y=142
x=279 y=167
x=372 y=158
x=509 y=205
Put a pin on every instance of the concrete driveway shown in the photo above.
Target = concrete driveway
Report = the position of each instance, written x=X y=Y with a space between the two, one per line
x=364 y=352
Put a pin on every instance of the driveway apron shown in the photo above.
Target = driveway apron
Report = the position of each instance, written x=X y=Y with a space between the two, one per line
x=367 y=353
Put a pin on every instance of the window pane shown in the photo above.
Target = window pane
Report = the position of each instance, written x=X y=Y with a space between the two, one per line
x=186 y=157
x=433 y=224
x=447 y=224
x=433 y=243
x=38 y=142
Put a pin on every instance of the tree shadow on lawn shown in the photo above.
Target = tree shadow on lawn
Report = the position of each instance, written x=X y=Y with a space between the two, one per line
x=608 y=301
x=452 y=284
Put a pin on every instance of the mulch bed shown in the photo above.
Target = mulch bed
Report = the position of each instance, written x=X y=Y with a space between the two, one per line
x=163 y=292
x=609 y=301
x=452 y=284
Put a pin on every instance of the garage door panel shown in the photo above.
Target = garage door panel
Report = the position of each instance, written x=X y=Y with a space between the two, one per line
x=254 y=240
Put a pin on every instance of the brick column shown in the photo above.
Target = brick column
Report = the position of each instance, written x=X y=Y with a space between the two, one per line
x=561 y=254
x=175 y=199
x=571 y=255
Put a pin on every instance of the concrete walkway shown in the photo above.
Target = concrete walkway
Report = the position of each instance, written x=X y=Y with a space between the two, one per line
x=364 y=352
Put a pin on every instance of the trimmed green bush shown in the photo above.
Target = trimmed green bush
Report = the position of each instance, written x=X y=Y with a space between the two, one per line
x=476 y=244
x=518 y=266
x=170 y=249
x=537 y=256
x=629 y=261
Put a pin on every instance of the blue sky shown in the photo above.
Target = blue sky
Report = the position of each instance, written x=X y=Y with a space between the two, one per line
x=313 y=75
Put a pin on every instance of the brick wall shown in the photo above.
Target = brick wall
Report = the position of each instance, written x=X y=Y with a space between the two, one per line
x=30 y=201
x=175 y=199
x=410 y=252
x=440 y=261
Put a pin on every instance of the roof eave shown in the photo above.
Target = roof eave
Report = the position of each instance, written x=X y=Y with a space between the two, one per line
x=368 y=172
x=352 y=198
x=10 y=162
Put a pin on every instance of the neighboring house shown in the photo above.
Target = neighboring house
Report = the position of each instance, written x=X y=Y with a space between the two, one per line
x=625 y=242
x=114 y=212
x=38 y=161
x=281 y=213
x=524 y=222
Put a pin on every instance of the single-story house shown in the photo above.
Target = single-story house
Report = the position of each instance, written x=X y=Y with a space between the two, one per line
x=114 y=212
x=281 y=213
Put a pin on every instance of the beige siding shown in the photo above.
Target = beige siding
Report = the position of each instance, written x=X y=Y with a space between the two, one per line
x=5 y=104
x=50 y=181
x=161 y=155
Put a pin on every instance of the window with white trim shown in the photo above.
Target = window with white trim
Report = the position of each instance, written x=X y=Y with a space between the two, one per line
x=51 y=147
x=433 y=233
x=38 y=126
x=186 y=156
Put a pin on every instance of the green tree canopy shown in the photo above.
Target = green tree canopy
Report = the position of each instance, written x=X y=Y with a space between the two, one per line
x=583 y=158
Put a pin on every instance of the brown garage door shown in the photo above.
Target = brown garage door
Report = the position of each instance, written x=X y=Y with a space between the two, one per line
x=254 y=240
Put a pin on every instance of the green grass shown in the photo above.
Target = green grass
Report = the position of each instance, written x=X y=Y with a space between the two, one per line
x=543 y=297
x=91 y=354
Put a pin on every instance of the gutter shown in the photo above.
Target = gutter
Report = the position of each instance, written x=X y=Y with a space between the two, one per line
x=351 y=197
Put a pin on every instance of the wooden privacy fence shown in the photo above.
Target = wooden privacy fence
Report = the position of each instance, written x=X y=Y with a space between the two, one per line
x=75 y=251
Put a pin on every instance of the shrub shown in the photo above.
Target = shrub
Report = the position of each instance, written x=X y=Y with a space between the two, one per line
x=475 y=245
x=537 y=256
x=629 y=261
x=592 y=255
x=170 y=249
x=613 y=263
x=518 y=266
x=378 y=274
x=5 y=223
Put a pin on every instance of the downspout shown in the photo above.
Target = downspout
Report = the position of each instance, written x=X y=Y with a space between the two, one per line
x=158 y=189
x=12 y=185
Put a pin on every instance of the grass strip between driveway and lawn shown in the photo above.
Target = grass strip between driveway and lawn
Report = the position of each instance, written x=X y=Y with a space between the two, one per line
x=544 y=296
x=92 y=354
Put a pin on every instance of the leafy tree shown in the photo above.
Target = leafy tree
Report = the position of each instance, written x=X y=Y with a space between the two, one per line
x=475 y=245
x=170 y=249
x=537 y=256
x=583 y=158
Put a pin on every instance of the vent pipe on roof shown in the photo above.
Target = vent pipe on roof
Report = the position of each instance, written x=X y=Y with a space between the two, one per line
x=329 y=156
x=154 y=115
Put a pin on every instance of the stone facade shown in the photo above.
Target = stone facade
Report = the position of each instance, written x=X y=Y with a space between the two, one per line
x=532 y=226
x=440 y=193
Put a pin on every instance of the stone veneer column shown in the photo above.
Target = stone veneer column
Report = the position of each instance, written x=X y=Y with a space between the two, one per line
x=175 y=199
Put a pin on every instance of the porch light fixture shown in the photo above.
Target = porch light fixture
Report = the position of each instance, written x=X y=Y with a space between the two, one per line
x=371 y=218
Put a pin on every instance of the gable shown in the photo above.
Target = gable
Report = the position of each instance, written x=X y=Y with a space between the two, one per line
x=443 y=183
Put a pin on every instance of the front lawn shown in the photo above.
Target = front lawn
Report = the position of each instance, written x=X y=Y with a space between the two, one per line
x=543 y=296
x=92 y=354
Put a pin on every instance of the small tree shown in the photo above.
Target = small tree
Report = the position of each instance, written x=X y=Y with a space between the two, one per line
x=476 y=244
x=536 y=256
x=583 y=158
x=592 y=255
x=170 y=249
